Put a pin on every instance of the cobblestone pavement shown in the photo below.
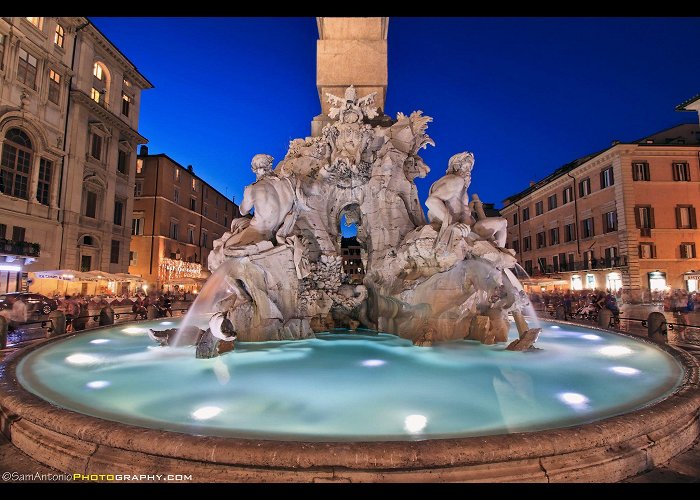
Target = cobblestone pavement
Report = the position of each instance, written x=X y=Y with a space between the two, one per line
x=684 y=468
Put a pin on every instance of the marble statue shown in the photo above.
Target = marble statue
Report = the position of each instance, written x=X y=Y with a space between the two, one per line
x=429 y=280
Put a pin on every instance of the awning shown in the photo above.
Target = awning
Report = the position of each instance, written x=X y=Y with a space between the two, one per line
x=691 y=276
x=544 y=282
x=100 y=276
x=127 y=277
x=61 y=274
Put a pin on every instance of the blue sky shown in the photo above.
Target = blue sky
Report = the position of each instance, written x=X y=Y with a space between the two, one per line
x=526 y=95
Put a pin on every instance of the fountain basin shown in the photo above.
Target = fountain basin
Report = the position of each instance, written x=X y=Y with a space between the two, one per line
x=417 y=442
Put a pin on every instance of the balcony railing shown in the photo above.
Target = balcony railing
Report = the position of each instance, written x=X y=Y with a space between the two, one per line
x=594 y=264
x=20 y=248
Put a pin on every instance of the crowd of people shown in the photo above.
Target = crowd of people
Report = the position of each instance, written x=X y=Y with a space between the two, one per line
x=587 y=303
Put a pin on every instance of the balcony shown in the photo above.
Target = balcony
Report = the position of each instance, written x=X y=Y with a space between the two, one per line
x=595 y=264
x=19 y=248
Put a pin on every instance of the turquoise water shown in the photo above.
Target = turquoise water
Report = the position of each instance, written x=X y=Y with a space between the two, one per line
x=348 y=386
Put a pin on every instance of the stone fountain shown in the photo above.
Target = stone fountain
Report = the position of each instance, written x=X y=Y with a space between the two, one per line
x=433 y=280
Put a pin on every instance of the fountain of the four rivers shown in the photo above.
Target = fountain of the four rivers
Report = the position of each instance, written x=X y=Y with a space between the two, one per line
x=283 y=370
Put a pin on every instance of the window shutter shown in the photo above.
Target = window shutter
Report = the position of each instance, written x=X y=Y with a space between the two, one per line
x=602 y=179
x=693 y=220
x=693 y=249
x=684 y=253
x=612 y=176
x=651 y=217
x=639 y=251
x=635 y=177
x=637 y=218
x=592 y=227
x=653 y=250
x=676 y=177
x=678 y=217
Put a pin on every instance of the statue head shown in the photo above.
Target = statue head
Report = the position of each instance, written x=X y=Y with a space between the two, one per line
x=461 y=164
x=261 y=165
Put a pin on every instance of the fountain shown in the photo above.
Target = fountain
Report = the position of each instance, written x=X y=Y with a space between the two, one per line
x=284 y=371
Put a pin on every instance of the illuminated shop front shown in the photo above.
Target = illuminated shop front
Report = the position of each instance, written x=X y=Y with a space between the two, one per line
x=613 y=281
x=657 y=281
x=692 y=280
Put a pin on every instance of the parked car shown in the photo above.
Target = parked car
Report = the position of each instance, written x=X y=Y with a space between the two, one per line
x=36 y=303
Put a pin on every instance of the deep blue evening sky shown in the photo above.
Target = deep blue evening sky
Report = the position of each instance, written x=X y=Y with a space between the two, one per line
x=526 y=95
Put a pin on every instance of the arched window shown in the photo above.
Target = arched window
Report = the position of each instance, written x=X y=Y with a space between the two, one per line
x=100 y=83
x=16 y=164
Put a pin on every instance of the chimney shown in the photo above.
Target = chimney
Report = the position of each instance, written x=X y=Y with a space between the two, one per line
x=189 y=169
x=532 y=183
x=144 y=150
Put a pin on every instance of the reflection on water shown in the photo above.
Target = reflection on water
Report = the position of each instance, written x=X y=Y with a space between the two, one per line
x=350 y=386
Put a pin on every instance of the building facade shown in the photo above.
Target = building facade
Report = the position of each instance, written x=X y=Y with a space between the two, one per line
x=352 y=253
x=624 y=217
x=176 y=218
x=69 y=108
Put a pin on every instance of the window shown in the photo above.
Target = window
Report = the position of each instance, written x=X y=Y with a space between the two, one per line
x=138 y=189
x=96 y=146
x=610 y=256
x=515 y=219
x=36 y=21
x=176 y=195
x=85 y=263
x=587 y=229
x=114 y=252
x=137 y=224
x=3 y=231
x=588 y=259
x=562 y=262
x=194 y=184
x=640 y=171
x=139 y=166
x=206 y=193
x=569 y=232
x=206 y=211
x=205 y=238
x=527 y=244
x=644 y=216
x=54 y=87
x=126 y=102
x=100 y=83
x=571 y=261
x=123 y=162
x=528 y=266
x=526 y=214
x=217 y=201
x=555 y=263
x=190 y=235
x=58 y=36
x=15 y=163
x=18 y=233
x=554 y=236
x=2 y=50
x=26 y=68
x=685 y=217
x=87 y=240
x=90 y=204
x=539 y=210
x=174 y=229
x=552 y=202
x=681 y=171
x=610 y=221
x=97 y=71
x=606 y=178
x=584 y=187
x=132 y=258
x=688 y=250
x=516 y=246
x=177 y=174
x=647 y=251
x=44 y=182
x=226 y=220
x=567 y=195
x=193 y=204
x=118 y=212
x=541 y=240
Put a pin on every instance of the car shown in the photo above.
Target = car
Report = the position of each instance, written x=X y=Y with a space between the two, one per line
x=36 y=303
